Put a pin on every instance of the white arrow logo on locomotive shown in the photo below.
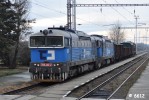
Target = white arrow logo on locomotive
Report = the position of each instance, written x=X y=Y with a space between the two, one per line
x=52 y=53
x=47 y=56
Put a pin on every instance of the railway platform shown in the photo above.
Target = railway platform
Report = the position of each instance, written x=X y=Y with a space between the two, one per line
x=140 y=90
x=60 y=90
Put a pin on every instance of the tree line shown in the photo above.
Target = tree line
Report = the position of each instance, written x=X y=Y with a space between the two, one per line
x=14 y=23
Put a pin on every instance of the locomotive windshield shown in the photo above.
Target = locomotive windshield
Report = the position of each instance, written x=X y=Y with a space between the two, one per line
x=48 y=41
x=55 y=41
x=37 y=41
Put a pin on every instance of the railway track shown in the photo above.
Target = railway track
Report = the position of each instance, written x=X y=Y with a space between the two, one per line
x=101 y=86
x=59 y=90
x=135 y=72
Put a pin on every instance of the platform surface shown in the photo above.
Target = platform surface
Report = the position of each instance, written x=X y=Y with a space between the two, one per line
x=140 y=90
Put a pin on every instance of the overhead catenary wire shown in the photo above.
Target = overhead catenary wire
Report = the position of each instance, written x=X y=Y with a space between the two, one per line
x=125 y=8
x=60 y=12
x=43 y=16
x=49 y=8
x=119 y=13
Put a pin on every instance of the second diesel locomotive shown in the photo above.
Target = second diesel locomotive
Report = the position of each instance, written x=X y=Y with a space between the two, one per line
x=58 y=54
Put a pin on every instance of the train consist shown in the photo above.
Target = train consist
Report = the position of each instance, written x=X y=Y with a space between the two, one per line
x=58 y=53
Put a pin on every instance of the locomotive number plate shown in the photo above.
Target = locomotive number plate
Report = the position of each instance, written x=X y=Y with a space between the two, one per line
x=45 y=64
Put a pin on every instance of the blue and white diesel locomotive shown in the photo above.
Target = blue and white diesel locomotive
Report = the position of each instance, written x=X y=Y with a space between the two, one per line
x=58 y=54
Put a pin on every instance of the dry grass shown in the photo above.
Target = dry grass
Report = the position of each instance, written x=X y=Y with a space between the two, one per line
x=6 y=89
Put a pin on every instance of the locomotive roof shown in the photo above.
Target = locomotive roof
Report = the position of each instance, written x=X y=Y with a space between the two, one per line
x=82 y=35
x=100 y=37
x=62 y=28
x=55 y=32
x=63 y=32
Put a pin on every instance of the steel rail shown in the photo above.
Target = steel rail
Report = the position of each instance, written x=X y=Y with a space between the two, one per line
x=126 y=79
x=108 y=80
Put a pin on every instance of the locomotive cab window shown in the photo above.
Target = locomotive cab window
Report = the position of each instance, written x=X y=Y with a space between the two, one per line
x=37 y=41
x=55 y=41
x=48 y=41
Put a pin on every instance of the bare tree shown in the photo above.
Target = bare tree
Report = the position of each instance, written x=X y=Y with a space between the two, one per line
x=21 y=8
x=116 y=34
x=14 y=24
x=24 y=53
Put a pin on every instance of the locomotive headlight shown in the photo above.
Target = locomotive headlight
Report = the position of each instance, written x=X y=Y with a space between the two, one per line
x=54 y=64
x=57 y=64
x=37 y=64
x=45 y=32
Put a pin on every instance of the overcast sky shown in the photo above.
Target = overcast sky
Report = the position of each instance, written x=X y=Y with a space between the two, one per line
x=93 y=20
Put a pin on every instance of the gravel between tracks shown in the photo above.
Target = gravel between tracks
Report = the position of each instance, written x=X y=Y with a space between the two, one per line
x=87 y=87
x=122 y=93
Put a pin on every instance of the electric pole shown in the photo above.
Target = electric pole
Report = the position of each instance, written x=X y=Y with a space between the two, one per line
x=146 y=39
x=136 y=18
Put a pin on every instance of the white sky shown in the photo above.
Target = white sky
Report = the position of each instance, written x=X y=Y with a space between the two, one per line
x=54 y=12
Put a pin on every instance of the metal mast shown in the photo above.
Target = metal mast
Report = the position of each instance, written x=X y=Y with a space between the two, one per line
x=71 y=14
x=136 y=17
x=71 y=10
